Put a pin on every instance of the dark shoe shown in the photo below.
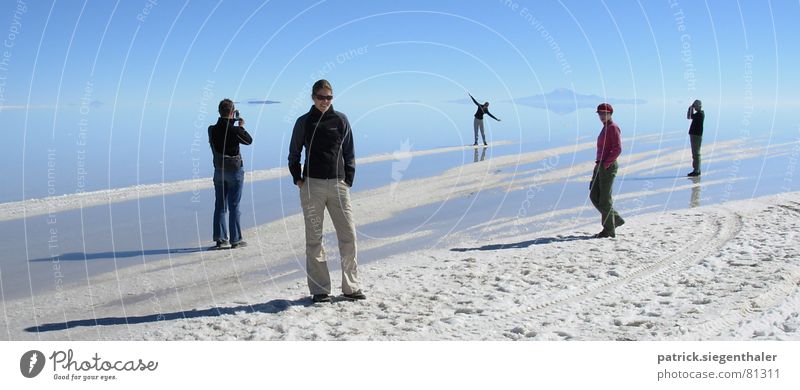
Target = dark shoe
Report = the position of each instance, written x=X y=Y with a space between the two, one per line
x=618 y=221
x=319 y=298
x=485 y=144
x=240 y=244
x=356 y=296
x=222 y=244
x=604 y=234
x=475 y=144
x=693 y=174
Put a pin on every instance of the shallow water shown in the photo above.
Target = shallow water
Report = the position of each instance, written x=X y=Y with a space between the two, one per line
x=154 y=229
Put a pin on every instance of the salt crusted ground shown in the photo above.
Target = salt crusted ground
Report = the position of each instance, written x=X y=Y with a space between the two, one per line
x=728 y=271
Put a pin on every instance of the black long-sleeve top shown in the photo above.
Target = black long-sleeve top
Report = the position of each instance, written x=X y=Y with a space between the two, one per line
x=696 y=128
x=225 y=137
x=328 y=141
x=481 y=110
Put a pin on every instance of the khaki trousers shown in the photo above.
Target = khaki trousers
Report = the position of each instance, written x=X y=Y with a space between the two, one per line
x=334 y=195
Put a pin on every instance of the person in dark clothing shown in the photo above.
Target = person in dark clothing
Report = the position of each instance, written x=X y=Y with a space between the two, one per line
x=477 y=123
x=324 y=182
x=609 y=147
x=224 y=138
x=697 y=115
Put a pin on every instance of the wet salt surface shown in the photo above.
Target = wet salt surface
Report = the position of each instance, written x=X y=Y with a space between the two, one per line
x=66 y=247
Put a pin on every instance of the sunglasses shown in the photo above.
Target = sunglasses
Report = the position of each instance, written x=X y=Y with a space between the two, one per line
x=323 y=97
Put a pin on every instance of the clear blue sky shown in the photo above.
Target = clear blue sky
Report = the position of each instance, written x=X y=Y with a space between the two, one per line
x=151 y=74
x=410 y=50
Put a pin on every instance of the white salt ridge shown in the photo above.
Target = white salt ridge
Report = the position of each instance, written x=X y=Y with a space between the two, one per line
x=34 y=207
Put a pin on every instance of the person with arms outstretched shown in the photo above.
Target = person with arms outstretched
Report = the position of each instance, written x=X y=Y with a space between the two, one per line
x=477 y=123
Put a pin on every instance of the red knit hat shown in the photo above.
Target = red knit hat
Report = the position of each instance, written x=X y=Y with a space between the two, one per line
x=605 y=107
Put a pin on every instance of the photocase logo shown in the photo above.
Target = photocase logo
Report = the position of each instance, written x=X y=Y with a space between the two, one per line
x=31 y=363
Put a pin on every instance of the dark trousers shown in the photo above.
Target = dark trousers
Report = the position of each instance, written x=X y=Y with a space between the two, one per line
x=696 y=141
x=600 y=195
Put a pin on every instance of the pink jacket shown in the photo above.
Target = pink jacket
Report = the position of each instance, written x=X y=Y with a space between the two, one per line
x=609 y=144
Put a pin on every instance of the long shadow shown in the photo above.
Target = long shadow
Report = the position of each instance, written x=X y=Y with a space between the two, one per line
x=271 y=307
x=524 y=244
x=76 y=256
x=655 y=178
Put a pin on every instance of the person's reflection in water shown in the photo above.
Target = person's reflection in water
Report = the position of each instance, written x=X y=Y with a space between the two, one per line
x=695 y=199
x=483 y=154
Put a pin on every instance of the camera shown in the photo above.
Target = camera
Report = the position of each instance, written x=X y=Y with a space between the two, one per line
x=236 y=114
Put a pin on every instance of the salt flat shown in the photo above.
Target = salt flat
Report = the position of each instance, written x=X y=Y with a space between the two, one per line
x=725 y=271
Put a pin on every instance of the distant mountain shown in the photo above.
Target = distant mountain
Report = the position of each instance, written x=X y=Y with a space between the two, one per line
x=262 y=102
x=561 y=101
x=565 y=101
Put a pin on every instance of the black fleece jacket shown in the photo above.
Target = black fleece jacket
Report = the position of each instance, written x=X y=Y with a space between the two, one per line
x=328 y=141
x=696 y=128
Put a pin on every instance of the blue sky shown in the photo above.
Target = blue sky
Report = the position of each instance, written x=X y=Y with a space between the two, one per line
x=145 y=76
x=385 y=51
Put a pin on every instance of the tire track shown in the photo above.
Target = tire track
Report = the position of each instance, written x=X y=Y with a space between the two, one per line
x=730 y=318
x=727 y=224
x=727 y=318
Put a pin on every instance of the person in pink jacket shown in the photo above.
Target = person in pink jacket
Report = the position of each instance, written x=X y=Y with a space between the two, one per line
x=609 y=147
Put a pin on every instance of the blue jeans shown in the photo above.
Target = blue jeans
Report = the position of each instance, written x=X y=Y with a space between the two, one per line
x=228 y=192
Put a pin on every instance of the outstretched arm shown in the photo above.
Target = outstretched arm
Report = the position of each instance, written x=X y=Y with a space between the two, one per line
x=490 y=114
x=475 y=101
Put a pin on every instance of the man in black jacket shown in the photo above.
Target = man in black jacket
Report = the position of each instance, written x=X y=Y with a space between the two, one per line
x=224 y=138
x=697 y=115
x=324 y=182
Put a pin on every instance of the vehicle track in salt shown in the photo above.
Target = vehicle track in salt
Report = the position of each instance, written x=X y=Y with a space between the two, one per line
x=727 y=317
x=727 y=225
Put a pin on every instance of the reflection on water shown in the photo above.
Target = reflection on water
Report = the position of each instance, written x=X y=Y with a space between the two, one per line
x=694 y=201
x=483 y=154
